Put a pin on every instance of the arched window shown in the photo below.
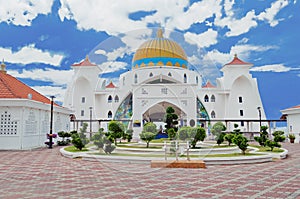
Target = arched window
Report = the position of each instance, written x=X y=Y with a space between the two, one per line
x=206 y=99
x=116 y=98
x=170 y=74
x=109 y=114
x=212 y=98
x=151 y=75
x=109 y=100
x=213 y=114
x=197 y=80
x=135 y=78
x=123 y=81
x=184 y=78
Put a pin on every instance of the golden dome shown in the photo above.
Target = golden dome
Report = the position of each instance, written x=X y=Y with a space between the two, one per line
x=159 y=50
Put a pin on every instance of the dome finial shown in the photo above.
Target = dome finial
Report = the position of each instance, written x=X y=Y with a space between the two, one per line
x=159 y=33
x=235 y=55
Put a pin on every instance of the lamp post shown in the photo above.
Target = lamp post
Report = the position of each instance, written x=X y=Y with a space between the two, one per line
x=51 y=121
x=259 y=114
x=91 y=108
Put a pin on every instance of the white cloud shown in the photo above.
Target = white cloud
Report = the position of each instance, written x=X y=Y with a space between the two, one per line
x=205 y=39
x=22 y=12
x=48 y=91
x=242 y=50
x=112 y=16
x=108 y=67
x=29 y=54
x=270 y=13
x=198 y=12
x=111 y=56
x=57 y=77
x=237 y=26
x=272 y=68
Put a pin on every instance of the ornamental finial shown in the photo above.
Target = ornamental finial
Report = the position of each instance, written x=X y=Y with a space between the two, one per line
x=159 y=33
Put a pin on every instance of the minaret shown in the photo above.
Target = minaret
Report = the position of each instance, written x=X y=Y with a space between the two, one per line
x=3 y=67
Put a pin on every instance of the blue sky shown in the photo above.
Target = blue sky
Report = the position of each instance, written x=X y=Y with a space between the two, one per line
x=41 y=39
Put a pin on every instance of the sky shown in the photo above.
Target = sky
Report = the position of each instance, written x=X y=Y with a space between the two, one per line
x=41 y=39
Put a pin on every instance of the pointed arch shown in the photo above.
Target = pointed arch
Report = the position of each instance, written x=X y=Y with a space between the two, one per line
x=213 y=98
x=116 y=98
x=206 y=99
x=109 y=99
x=213 y=114
x=109 y=114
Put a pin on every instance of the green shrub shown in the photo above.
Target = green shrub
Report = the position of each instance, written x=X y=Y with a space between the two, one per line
x=241 y=142
x=183 y=133
x=171 y=134
x=263 y=136
x=229 y=137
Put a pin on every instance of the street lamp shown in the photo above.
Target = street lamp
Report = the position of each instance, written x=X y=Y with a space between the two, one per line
x=259 y=114
x=51 y=121
x=91 y=108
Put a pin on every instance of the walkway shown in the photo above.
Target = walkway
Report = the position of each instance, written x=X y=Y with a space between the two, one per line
x=44 y=173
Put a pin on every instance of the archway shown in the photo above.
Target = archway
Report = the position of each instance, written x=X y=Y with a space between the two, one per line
x=156 y=113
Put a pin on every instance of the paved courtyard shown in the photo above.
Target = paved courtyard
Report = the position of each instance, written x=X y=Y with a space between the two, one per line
x=44 y=173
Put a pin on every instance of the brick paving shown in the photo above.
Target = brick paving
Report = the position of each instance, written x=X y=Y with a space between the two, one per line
x=44 y=173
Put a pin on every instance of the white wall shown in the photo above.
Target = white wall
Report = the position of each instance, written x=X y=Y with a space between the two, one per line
x=25 y=123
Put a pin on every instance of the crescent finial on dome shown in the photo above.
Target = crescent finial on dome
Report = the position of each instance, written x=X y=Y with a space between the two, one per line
x=159 y=33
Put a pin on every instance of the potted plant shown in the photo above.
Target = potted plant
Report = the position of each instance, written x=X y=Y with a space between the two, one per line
x=292 y=138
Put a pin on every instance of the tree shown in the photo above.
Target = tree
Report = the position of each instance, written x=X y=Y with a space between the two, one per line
x=76 y=141
x=241 y=142
x=183 y=132
x=199 y=136
x=236 y=130
x=63 y=135
x=170 y=119
x=98 y=138
x=278 y=137
x=263 y=136
x=128 y=135
x=171 y=134
x=229 y=137
x=149 y=132
x=116 y=129
x=79 y=140
x=217 y=131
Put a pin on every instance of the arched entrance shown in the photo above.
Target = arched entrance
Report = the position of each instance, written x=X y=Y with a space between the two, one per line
x=156 y=113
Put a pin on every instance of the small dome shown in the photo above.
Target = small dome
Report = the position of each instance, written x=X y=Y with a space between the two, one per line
x=159 y=51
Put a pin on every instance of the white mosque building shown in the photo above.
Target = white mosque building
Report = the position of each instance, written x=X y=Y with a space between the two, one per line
x=160 y=78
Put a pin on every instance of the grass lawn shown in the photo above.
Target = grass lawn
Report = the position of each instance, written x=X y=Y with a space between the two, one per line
x=267 y=149
x=73 y=149
x=173 y=155
x=139 y=146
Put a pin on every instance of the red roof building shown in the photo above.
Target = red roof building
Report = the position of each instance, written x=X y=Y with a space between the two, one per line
x=10 y=87
x=110 y=85
x=208 y=85
x=237 y=61
x=85 y=62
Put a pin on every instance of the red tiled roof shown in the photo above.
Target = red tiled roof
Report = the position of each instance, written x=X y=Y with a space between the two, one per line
x=237 y=61
x=208 y=85
x=110 y=85
x=85 y=62
x=10 y=87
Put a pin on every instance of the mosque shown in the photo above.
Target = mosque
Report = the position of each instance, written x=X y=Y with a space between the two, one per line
x=160 y=78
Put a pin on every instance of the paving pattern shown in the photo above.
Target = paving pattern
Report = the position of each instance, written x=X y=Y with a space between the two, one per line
x=44 y=173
